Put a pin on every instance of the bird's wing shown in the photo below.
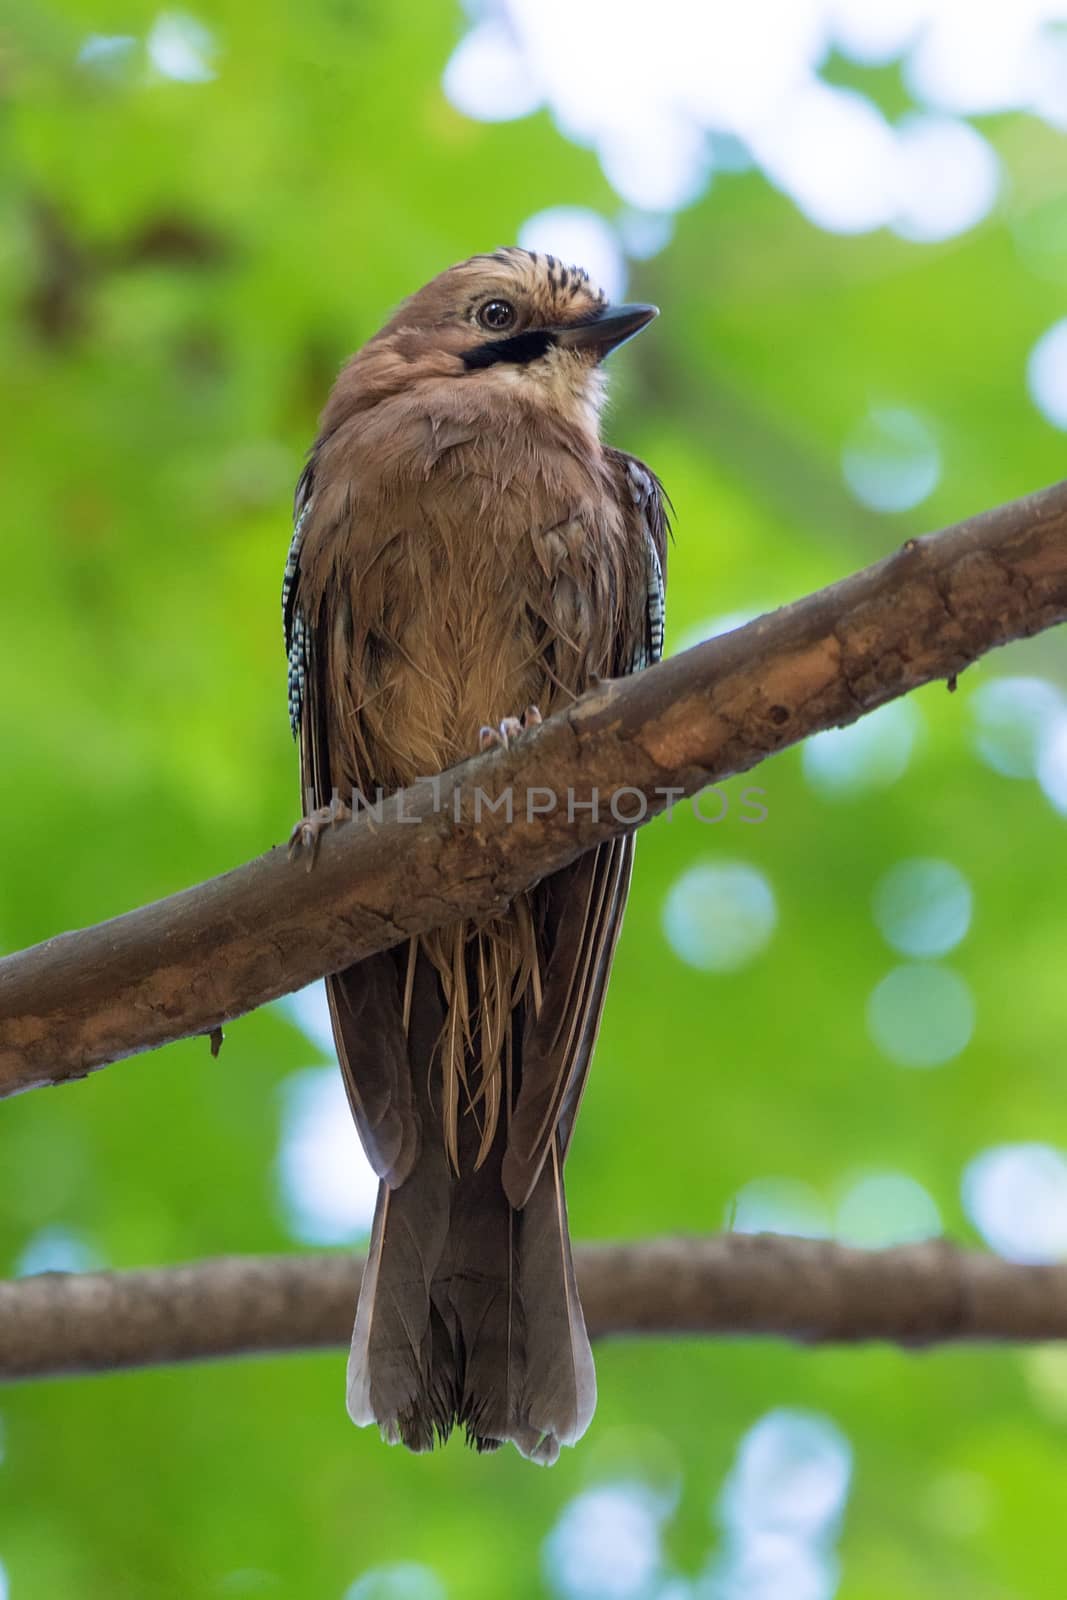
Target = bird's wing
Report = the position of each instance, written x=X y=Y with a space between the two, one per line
x=580 y=908
x=367 y=1000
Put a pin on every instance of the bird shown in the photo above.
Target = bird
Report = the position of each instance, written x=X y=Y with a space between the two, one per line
x=467 y=557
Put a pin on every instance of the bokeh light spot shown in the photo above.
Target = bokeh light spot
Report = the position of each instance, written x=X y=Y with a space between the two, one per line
x=921 y=1016
x=835 y=154
x=488 y=77
x=644 y=233
x=1012 y=719
x=869 y=754
x=327 y=1184
x=1052 y=764
x=1048 y=97
x=110 y=55
x=1046 y=374
x=949 y=178
x=779 y=1205
x=606 y=1544
x=309 y=1009
x=719 y=86
x=720 y=915
x=57 y=1249
x=772 y=1565
x=792 y=1472
x=891 y=461
x=402 y=1580
x=181 y=47
x=712 y=627
x=886 y=1208
x=655 y=160
x=923 y=907
x=781 y=1508
x=973 y=59
x=1016 y=1196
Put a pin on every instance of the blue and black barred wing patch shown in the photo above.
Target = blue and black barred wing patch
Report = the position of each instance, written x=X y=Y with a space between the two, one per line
x=296 y=640
x=648 y=498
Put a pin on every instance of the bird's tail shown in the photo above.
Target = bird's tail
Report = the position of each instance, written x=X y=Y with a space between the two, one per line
x=469 y=1313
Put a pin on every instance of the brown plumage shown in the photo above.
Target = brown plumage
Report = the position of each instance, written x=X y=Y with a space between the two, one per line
x=467 y=548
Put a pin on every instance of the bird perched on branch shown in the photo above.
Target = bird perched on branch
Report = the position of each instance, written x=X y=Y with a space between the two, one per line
x=466 y=548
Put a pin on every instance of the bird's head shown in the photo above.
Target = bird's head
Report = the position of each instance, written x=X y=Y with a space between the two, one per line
x=514 y=326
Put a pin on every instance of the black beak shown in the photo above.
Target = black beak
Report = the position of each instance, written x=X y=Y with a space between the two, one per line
x=607 y=330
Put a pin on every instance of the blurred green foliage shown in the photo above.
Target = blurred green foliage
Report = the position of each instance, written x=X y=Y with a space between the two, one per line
x=184 y=267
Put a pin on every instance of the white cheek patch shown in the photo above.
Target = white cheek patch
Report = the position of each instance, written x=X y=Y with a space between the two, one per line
x=572 y=387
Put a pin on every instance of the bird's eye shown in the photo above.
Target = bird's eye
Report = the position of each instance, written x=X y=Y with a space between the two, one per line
x=497 y=315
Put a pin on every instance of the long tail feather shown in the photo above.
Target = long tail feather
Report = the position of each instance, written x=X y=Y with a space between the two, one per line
x=469 y=1310
x=559 y=1397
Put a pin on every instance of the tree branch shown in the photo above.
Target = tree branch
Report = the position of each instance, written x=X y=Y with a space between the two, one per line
x=736 y=1284
x=187 y=964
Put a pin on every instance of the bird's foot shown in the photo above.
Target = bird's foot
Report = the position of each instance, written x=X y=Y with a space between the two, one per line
x=309 y=830
x=489 y=738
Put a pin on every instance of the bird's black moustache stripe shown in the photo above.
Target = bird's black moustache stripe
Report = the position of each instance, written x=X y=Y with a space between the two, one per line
x=521 y=348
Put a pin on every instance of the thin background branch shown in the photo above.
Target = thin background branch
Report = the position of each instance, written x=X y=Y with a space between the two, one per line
x=736 y=1284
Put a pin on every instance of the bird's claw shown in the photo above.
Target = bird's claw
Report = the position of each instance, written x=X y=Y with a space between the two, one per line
x=309 y=830
x=490 y=738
